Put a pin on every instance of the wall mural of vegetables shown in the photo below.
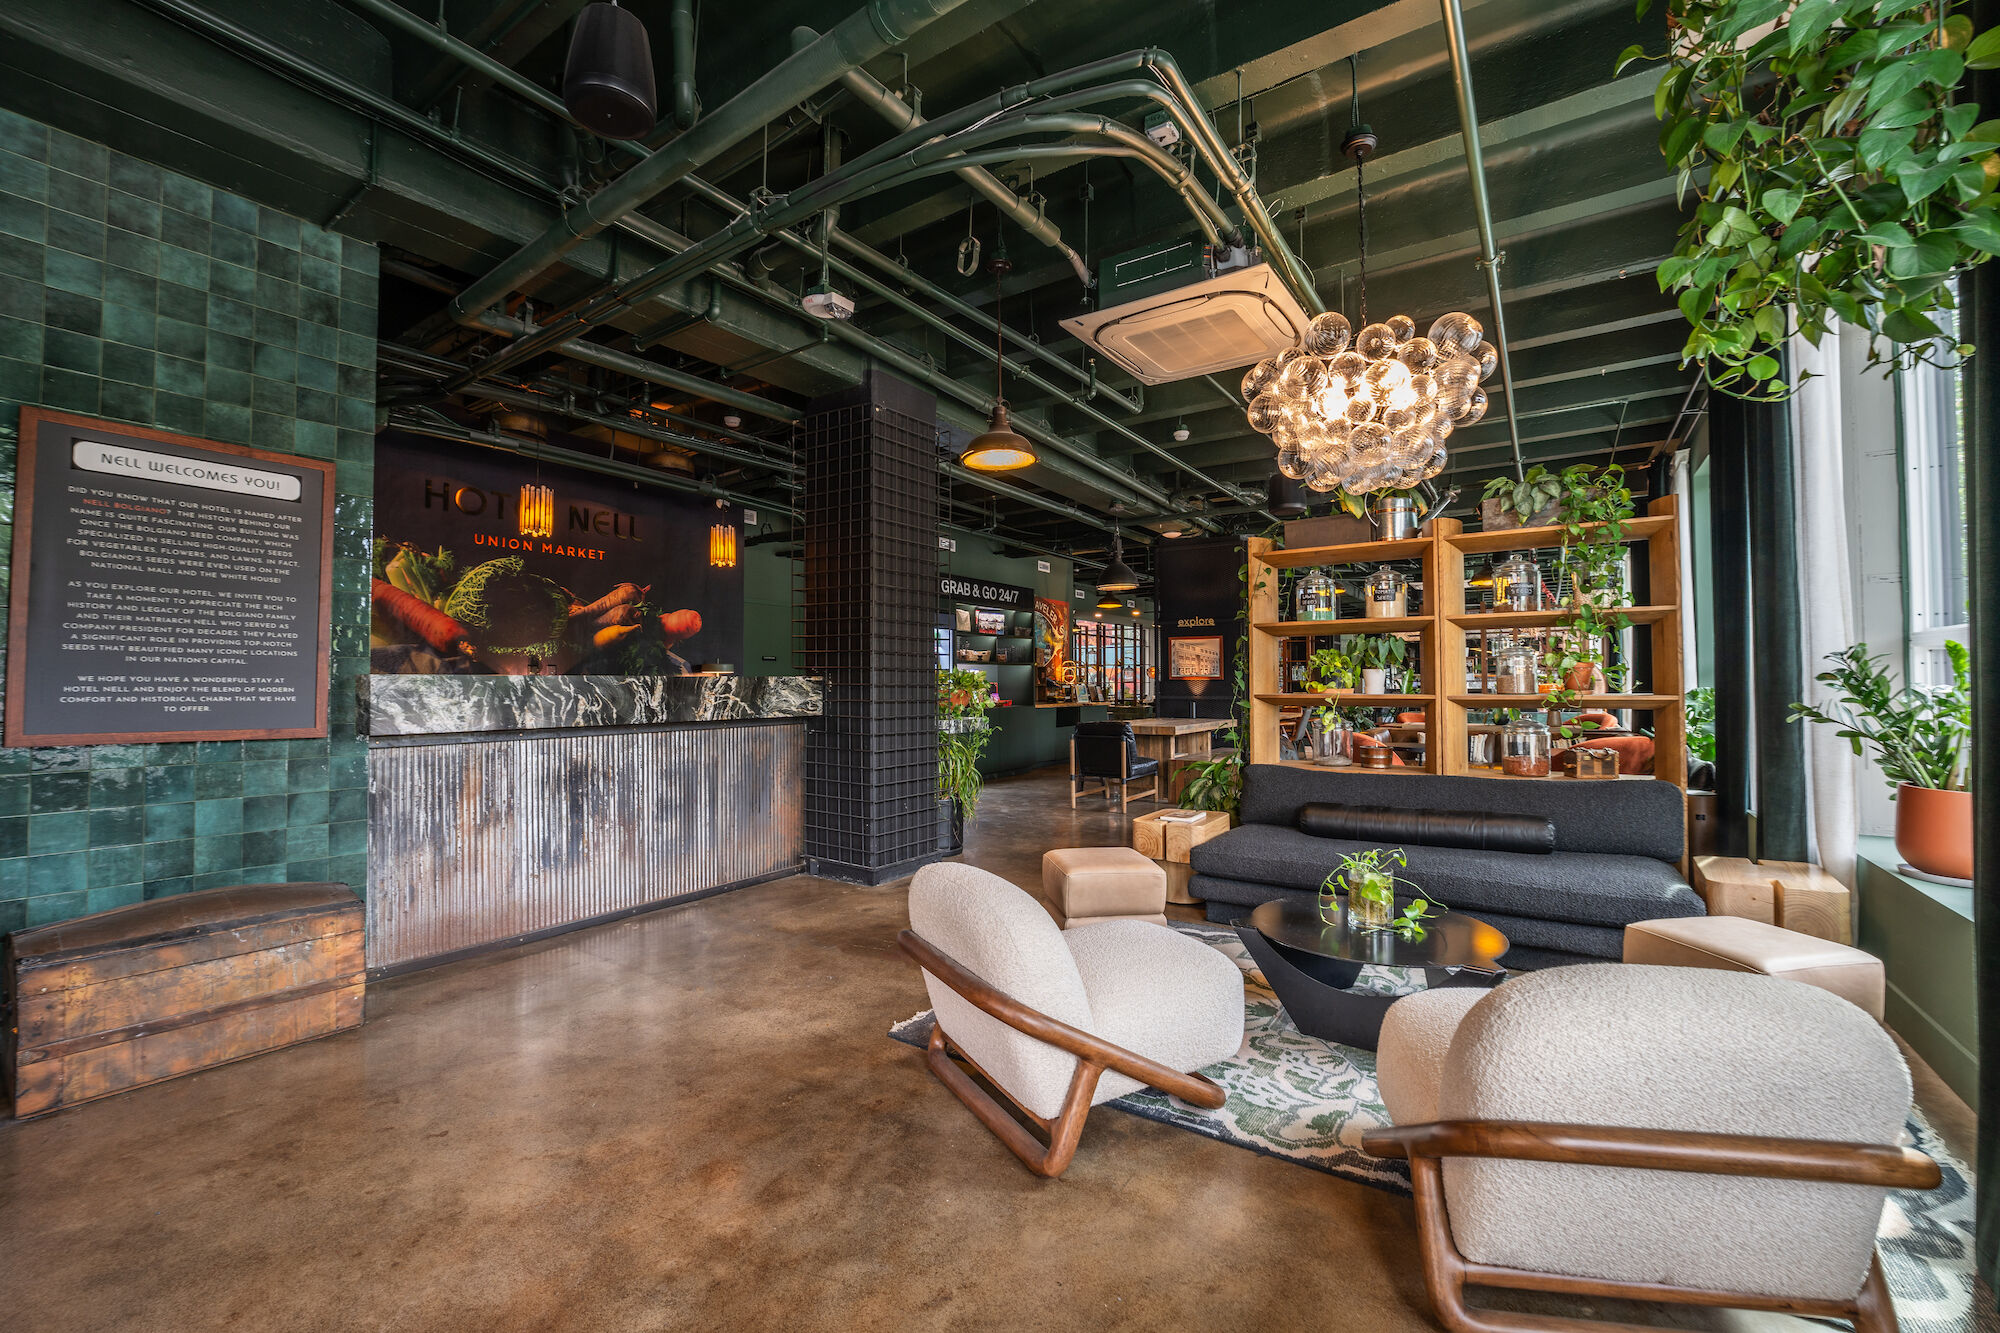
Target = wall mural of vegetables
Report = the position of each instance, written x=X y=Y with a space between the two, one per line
x=591 y=598
x=1833 y=172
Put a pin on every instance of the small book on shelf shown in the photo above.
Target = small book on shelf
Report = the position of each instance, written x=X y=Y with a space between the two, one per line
x=1183 y=816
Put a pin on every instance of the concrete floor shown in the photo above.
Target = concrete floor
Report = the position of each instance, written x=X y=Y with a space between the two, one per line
x=687 y=1120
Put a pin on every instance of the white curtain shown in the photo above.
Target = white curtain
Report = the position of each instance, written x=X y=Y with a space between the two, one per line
x=1683 y=487
x=1826 y=621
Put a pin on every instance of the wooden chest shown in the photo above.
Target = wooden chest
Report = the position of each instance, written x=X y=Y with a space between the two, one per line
x=158 y=989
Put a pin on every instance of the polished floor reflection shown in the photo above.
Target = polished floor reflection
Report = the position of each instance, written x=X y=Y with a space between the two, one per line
x=686 y=1120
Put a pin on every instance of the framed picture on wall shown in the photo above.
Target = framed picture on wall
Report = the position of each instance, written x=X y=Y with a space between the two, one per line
x=1195 y=658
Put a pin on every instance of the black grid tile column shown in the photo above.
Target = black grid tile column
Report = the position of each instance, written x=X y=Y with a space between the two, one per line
x=870 y=520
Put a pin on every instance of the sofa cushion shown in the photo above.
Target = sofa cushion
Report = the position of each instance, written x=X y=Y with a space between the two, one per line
x=1620 y=818
x=1482 y=830
x=1596 y=890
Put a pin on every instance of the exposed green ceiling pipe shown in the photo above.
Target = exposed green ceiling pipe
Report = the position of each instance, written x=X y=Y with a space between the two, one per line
x=444 y=429
x=687 y=106
x=860 y=177
x=1475 y=167
x=870 y=92
x=863 y=35
x=638 y=367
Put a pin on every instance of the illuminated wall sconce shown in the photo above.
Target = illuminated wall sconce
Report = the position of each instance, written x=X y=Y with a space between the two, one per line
x=538 y=511
x=722 y=546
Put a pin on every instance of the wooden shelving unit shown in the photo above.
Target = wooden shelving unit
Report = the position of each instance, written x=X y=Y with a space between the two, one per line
x=1441 y=632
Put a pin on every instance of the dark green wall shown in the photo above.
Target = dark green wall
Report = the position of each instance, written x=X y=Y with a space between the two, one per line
x=767 y=607
x=136 y=294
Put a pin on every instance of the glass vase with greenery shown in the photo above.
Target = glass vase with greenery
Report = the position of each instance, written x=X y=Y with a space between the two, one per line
x=963 y=698
x=1368 y=880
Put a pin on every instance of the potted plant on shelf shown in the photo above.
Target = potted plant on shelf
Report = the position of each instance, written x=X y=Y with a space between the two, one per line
x=1377 y=655
x=963 y=698
x=1918 y=737
x=1331 y=670
x=1529 y=502
x=1369 y=880
x=1391 y=514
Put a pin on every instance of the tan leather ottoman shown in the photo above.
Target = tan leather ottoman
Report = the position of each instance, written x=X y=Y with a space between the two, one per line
x=1082 y=884
x=1737 y=944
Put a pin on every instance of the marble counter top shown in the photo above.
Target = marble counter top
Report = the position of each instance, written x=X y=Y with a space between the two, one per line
x=435 y=705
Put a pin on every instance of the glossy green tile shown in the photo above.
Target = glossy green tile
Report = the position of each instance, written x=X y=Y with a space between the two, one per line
x=14 y=793
x=217 y=854
x=46 y=911
x=169 y=860
x=166 y=784
x=113 y=895
x=13 y=838
x=117 y=786
x=264 y=847
x=13 y=911
x=167 y=888
x=265 y=778
x=117 y=827
x=217 y=817
x=68 y=831
x=169 y=823
x=217 y=778
x=65 y=872
x=117 y=865
x=129 y=365
x=54 y=792
x=347 y=838
x=264 y=812
x=306 y=807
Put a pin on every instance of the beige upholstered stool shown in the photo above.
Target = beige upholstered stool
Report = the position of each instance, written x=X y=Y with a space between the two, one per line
x=1082 y=884
x=1736 y=944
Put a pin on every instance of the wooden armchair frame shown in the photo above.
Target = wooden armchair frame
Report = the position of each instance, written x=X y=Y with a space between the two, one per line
x=1094 y=1055
x=1124 y=780
x=1447 y=1272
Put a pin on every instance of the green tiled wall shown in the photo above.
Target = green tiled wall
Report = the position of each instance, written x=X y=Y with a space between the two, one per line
x=132 y=293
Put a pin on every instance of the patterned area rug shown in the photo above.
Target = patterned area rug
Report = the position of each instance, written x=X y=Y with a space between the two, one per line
x=1310 y=1102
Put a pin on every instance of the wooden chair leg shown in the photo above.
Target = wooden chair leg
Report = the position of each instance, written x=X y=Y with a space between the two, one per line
x=1874 y=1311
x=1047 y=1161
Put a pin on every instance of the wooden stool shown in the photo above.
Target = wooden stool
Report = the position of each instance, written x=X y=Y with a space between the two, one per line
x=1085 y=884
x=1734 y=944
x=1170 y=843
x=1792 y=894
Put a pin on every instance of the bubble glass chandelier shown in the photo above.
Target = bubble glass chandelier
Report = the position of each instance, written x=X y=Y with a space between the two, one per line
x=1369 y=411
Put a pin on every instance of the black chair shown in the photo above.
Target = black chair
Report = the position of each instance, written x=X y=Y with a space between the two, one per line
x=1108 y=752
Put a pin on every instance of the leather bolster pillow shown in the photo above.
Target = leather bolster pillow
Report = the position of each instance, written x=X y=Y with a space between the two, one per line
x=1475 y=830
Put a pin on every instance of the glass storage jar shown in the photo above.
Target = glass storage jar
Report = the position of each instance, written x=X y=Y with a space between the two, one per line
x=1317 y=597
x=1517 y=584
x=1524 y=747
x=1385 y=593
x=1514 y=670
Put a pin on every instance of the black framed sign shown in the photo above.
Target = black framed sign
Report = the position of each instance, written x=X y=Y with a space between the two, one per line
x=165 y=588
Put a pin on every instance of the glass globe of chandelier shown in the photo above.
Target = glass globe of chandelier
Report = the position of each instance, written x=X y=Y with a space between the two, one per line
x=1369 y=411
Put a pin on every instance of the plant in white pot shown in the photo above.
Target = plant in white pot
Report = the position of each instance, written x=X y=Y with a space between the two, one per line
x=1918 y=737
x=1377 y=655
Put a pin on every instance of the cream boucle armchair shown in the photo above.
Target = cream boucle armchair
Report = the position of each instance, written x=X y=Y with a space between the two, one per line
x=1061 y=1020
x=1656 y=1133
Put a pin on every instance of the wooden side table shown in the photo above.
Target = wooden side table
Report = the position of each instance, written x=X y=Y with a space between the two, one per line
x=1793 y=894
x=1171 y=843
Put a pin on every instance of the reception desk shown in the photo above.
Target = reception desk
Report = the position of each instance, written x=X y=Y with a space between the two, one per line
x=503 y=808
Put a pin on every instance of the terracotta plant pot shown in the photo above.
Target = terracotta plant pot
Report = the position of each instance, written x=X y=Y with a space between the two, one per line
x=1934 y=830
x=1580 y=677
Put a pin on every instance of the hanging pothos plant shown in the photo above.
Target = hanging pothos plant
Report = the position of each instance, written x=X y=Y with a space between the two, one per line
x=1834 y=173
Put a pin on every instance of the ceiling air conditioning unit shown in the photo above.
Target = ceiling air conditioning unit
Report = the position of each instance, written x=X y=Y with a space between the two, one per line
x=1187 y=310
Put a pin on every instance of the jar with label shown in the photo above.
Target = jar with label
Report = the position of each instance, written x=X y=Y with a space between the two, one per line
x=1514 y=670
x=1316 y=597
x=1517 y=584
x=1385 y=593
x=1524 y=747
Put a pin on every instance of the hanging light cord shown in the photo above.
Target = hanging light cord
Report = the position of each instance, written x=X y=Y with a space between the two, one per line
x=999 y=349
x=1360 y=185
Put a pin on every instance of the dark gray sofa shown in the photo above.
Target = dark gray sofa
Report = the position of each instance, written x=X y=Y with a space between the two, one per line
x=1618 y=848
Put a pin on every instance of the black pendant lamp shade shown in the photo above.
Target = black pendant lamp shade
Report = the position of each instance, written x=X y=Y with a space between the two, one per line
x=608 y=81
x=1284 y=497
x=1000 y=448
x=1117 y=577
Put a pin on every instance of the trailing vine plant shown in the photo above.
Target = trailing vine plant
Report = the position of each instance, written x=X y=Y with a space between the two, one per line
x=1835 y=175
x=1592 y=509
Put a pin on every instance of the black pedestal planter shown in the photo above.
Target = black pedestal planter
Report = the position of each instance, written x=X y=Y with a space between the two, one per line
x=950 y=826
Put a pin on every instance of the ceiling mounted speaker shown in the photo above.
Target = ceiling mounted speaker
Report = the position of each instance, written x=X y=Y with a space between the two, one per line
x=1285 y=498
x=608 y=80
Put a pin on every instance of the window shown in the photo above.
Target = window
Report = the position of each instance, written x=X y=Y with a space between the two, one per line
x=1930 y=400
x=1112 y=659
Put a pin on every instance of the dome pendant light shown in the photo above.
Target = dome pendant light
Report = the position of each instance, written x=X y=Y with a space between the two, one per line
x=1001 y=448
x=608 y=79
x=1117 y=577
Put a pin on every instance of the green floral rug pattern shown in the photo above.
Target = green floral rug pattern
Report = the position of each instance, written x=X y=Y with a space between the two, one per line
x=1310 y=1102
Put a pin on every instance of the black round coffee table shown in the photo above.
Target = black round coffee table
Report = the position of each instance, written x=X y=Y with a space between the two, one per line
x=1312 y=964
